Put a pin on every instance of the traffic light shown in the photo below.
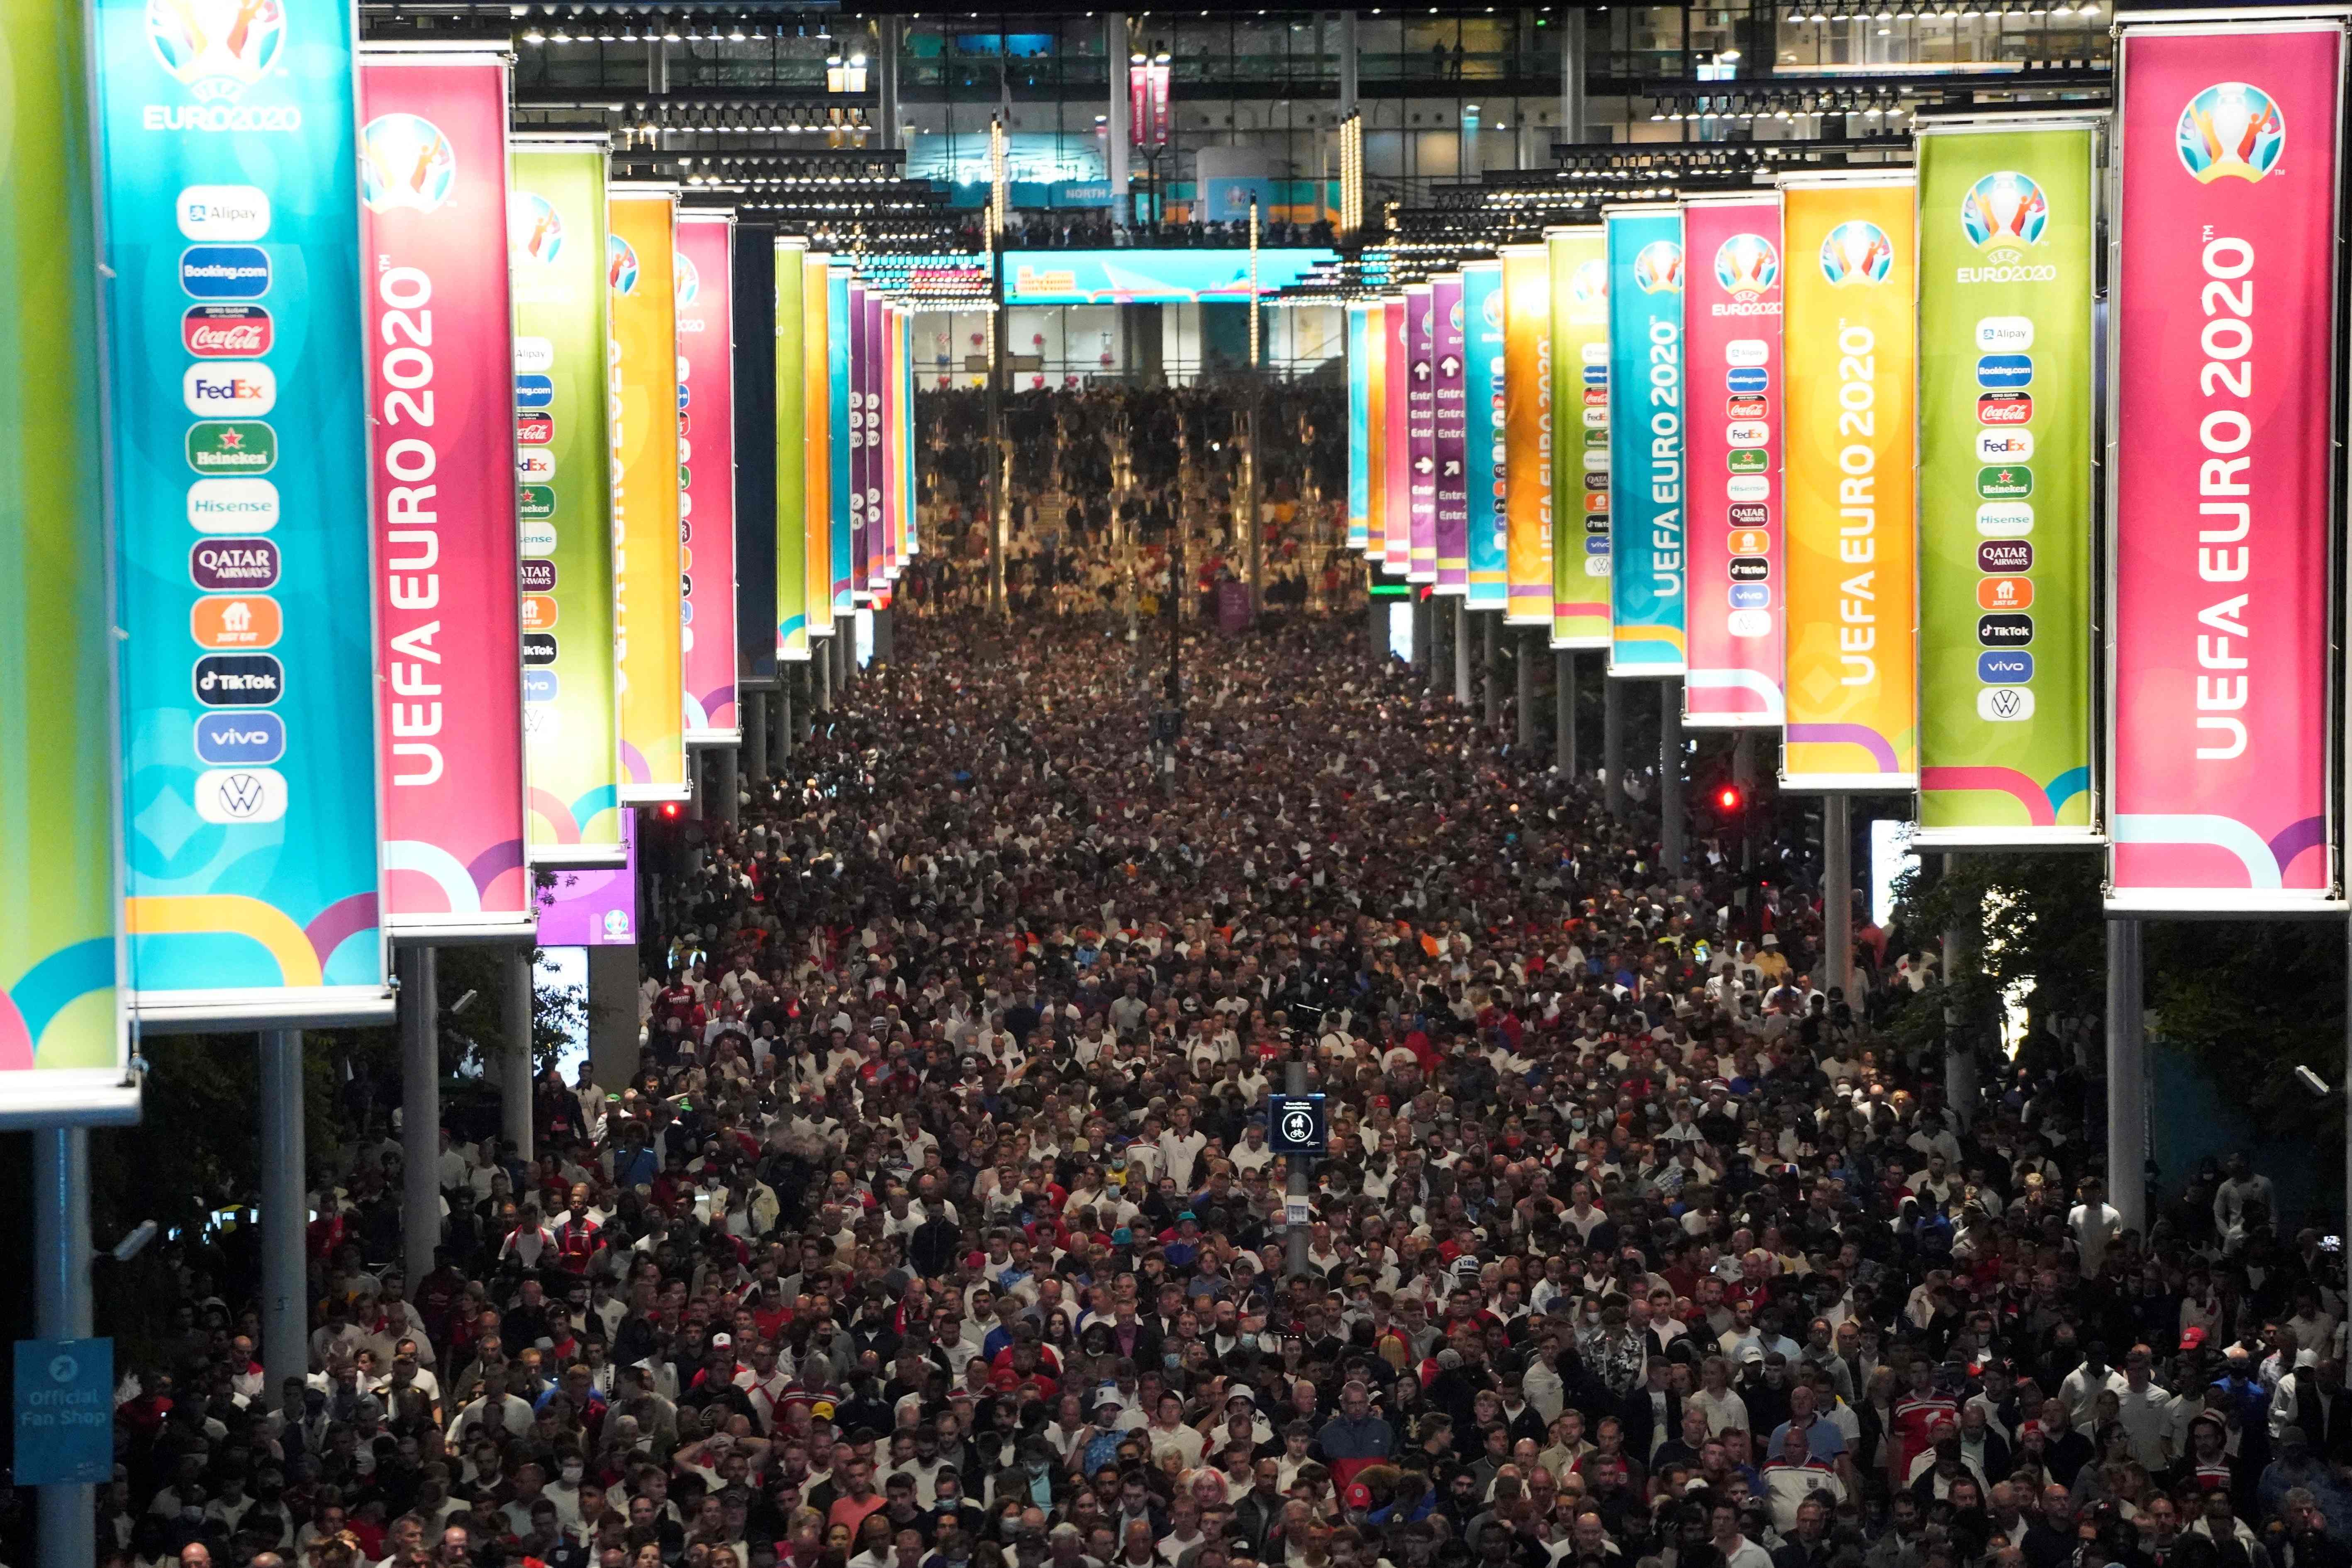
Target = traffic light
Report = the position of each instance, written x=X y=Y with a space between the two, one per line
x=670 y=810
x=1730 y=800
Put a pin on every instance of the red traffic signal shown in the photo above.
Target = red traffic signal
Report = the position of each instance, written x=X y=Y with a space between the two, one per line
x=1728 y=800
x=669 y=808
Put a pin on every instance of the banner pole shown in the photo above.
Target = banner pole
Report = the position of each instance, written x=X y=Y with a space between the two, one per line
x=2127 y=1077
x=1837 y=893
x=1466 y=649
x=420 y=1112
x=1563 y=717
x=1524 y=661
x=1612 y=742
x=1670 y=775
x=284 y=1213
x=515 y=1083
x=62 y=1311
x=1490 y=633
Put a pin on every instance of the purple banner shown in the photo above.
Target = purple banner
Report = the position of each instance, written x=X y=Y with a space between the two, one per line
x=1452 y=425
x=592 y=907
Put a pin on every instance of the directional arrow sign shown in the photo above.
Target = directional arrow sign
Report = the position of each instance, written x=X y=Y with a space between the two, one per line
x=1423 y=464
x=1421 y=370
x=1450 y=366
x=1453 y=468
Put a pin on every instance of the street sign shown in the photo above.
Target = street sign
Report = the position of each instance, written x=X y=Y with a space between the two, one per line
x=65 y=1411
x=1295 y=1125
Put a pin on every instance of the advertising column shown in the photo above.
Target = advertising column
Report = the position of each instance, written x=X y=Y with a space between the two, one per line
x=2224 y=700
x=706 y=473
x=792 y=448
x=817 y=441
x=1448 y=421
x=1359 y=439
x=1579 y=487
x=1526 y=435
x=1737 y=395
x=65 y=1041
x=240 y=452
x=1847 y=472
x=854 y=430
x=837 y=375
x=1482 y=448
x=571 y=715
x=433 y=169
x=648 y=641
x=1421 y=427
x=1396 y=446
x=2008 y=220
x=1645 y=441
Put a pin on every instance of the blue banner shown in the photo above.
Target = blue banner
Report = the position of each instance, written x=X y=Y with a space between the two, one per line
x=837 y=362
x=1482 y=315
x=231 y=187
x=1646 y=442
x=64 y=1412
x=1359 y=441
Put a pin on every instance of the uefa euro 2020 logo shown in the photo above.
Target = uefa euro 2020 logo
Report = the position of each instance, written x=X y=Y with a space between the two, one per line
x=1588 y=285
x=2004 y=210
x=1747 y=264
x=534 y=228
x=620 y=264
x=406 y=162
x=689 y=287
x=217 y=47
x=1857 y=251
x=2231 y=131
x=1658 y=268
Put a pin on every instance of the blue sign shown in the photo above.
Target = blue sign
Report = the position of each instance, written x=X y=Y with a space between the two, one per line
x=1647 y=601
x=1482 y=447
x=2004 y=373
x=65 y=1411
x=836 y=353
x=1295 y=1125
x=1747 y=381
x=1212 y=273
x=252 y=888
x=534 y=390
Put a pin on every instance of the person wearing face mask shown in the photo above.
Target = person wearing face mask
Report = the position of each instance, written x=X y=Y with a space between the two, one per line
x=570 y=1470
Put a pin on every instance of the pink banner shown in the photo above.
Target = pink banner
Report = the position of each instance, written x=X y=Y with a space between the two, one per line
x=441 y=373
x=2220 y=712
x=1420 y=428
x=706 y=461
x=1397 y=449
x=1731 y=325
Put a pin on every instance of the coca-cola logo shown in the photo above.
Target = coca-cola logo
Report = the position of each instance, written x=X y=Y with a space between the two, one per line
x=227 y=331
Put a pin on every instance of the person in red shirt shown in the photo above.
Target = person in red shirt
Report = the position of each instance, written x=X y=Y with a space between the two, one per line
x=1917 y=1409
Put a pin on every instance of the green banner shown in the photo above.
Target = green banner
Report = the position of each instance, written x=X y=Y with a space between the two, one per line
x=2007 y=223
x=1579 y=438
x=64 y=1041
x=555 y=237
x=792 y=472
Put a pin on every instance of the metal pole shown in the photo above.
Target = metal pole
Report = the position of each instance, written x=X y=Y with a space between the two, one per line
x=1959 y=1047
x=887 y=78
x=1525 y=658
x=1612 y=741
x=284 y=1212
x=1670 y=776
x=1563 y=716
x=1837 y=893
x=821 y=668
x=1743 y=774
x=725 y=784
x=61 y=1309
x=1423 y=655
x=755 y=735
x=1490 y=633
x=1119 y=132
x=1466 y=648
x=1571 y=76
x=1350 y=64
x=1249 y=451
x=1441 y=657
x=515 y=1083
x=783 y=740
x=1293 y=1081
x=2127 y=1077
x=420 y=1112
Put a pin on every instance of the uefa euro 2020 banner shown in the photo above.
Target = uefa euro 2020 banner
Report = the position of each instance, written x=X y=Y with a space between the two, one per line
x=647 y=639
x=793 y=453
x=433 y=180
x=571 y=718
x=1647 y=562
x=2008 y=220
x=1738 y=393
x=1397 y=441
x=65 y=1039
x=1421 y=427
x=2224 y=708
x=1580 y=456
x=1358 y=440
x=1528 y=436
x=1846 y=474
x=706 y=473
x=1376 y=445
x=816 y=462
x=1482 y=448
x=240 y=450
x=1446 y=427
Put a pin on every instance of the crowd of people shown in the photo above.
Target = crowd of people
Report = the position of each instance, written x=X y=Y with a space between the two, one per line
x=936 y=1224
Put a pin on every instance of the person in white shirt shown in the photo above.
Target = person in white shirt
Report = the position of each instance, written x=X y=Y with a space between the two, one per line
x=1179 y=1146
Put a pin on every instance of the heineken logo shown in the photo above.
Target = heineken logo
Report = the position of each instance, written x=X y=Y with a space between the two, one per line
x=232 y=447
